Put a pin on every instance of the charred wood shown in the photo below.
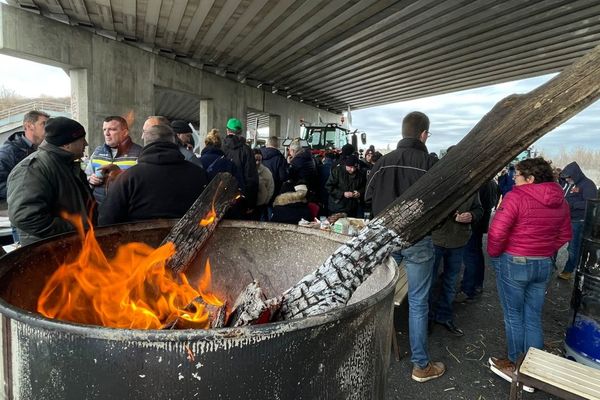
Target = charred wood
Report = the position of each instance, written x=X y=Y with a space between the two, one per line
x=197 y=225
x=510 y=127
x=252 y=307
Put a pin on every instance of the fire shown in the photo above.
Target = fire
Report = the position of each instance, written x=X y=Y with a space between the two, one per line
x=133 y=290
x=209 y=218
x=130 y=118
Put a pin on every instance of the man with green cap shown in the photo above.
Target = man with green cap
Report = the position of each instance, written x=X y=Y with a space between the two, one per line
x=236 y=149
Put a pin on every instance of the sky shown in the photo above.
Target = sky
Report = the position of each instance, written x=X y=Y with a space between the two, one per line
x=452 y=115
x=32 y=79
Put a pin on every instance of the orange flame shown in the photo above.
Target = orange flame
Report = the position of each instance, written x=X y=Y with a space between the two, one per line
x=130 y=118
x=209 y=218
x=133 y=290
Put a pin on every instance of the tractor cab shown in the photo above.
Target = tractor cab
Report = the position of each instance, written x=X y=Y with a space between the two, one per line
x=327 y=137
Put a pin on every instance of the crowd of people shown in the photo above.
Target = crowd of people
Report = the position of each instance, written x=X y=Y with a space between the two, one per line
x=537 y=209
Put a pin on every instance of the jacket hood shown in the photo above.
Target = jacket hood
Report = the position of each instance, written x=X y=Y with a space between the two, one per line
x=289 y=198
x=233 y=142
x=270 y=152
x=547 y=193
x=212 y=150
x=304 y=154
x=161 y=153
x=574 y=171
x=15 y=136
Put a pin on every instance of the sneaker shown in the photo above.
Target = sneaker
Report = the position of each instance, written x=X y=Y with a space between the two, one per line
x=431 y=371
x=565 y=275
x=505 y=369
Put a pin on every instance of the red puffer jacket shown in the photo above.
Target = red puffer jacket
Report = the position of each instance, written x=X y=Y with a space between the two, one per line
x=533 y=220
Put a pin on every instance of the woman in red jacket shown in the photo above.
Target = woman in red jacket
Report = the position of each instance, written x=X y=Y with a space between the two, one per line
x=531 y=224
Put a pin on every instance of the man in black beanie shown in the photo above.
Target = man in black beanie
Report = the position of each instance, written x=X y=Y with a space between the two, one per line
x=49 y=182
x=185 y=140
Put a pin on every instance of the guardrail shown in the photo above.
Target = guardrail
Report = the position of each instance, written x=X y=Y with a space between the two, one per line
x=34 y=105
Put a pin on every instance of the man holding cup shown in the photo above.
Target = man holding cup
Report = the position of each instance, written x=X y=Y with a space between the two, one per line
x=117 y=152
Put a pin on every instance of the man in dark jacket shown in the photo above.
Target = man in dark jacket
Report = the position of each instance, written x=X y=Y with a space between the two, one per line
x=275 y=162
x=303 y=168
x=118 y=150
x=236 y=149
x=162 y=184
x=19 y=145
x=449 y=240
x=183 y=136
x=473 y=258
x=346 y=187
x=49 y=182
x=579 y=189
x=393 y=174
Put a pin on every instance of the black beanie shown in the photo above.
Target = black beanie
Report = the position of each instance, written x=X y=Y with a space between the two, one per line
x=62 y=130
x=180 y=126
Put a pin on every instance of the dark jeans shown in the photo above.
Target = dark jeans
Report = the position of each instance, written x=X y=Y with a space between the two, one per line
x=474 y=264
x=574 y=247
x=442 y=310
x=522 y=285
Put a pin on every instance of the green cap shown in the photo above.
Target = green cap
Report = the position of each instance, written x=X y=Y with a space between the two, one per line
x=234 y=124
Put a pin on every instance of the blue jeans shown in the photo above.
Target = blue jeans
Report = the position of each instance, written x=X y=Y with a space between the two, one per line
x=474 y=264
x=418 y=261
x=574 y=247
x=522 y=285
x=442 y=311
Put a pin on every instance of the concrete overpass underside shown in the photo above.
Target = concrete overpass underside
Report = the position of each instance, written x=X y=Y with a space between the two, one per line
x=262 y=55
x=338 y=53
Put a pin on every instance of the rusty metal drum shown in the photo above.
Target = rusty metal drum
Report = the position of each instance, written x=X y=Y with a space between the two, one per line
x=341 y=354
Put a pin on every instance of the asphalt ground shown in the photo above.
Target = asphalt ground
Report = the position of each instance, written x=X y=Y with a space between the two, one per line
x=466 y=358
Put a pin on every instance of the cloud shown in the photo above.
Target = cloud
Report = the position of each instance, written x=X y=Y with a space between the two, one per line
x=31 y=79
x=453 y=115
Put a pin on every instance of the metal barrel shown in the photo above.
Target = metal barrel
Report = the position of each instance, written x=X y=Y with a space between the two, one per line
x=582 y=342
x=340 y=354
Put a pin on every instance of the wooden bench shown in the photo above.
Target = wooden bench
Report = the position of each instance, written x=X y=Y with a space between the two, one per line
x=555 y=375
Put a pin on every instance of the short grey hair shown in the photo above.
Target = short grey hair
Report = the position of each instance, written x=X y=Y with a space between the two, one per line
x=296 y=146
x=273 y=141
x=159 y=133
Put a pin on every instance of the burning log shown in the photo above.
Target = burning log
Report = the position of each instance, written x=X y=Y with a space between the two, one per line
x=216 y=315
x=252 y=307
x=513 y=124
x=193 y=230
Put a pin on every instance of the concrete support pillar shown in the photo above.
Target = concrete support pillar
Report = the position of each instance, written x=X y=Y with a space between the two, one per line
x=275 y=126
x=207 y=118
x=79 y=97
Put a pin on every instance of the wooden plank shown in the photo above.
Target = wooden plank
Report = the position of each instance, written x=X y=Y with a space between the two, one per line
x=562 y=373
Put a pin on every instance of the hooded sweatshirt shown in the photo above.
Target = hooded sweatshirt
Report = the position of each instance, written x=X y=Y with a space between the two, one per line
x=236 y=149
x=162 y=185
x=532 y=221
x=582 y=190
